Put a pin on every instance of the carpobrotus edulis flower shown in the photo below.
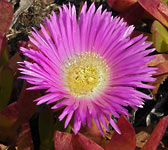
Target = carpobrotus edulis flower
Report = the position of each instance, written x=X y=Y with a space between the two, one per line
x=89 y=66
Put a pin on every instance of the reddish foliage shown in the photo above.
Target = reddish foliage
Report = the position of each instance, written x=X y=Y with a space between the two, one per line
x=87 y=143
x=3 y=44
x=13 y=62
x=130 y=13
x=121 y=5
x=160 y=61
x=26 y=106
x=156 y=9
x=17 y=57
x=163 y=8
x=127 y=139
x=156 y=135
x=66 y=141
x=24 y=140
x=93 y=133
x=6 y=15
x=8 y=122
x=162 y=69
x=10 y=113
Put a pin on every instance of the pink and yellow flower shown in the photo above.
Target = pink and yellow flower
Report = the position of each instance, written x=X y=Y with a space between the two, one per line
x=89 y=66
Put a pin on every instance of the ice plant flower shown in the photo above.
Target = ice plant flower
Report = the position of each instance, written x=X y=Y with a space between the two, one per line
x=89 y=66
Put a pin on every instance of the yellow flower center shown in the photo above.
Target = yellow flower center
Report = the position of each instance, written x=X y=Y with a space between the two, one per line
x=85 y=75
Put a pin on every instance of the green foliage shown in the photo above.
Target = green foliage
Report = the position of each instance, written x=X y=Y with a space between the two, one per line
x=159 y=37
x=46 y=129
x=4 y=59
x=6 y=81
x=48 y=124
x=166 y=1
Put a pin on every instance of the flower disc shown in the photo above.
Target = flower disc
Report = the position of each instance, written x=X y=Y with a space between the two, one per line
x=85 y=75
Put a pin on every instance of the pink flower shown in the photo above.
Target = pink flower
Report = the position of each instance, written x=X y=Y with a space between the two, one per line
x=89 y=66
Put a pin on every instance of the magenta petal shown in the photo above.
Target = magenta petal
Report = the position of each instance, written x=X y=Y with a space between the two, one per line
x=68 y=119
x=113 y=124
x=77 y=123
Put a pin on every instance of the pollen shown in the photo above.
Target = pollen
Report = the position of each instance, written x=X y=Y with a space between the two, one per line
x=85 y=75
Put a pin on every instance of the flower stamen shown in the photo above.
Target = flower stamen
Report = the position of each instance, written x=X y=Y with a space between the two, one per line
x=85 y=74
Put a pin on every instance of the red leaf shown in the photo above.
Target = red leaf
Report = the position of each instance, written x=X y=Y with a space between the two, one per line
x=6 y=15
x=156 y=135
x=9 y=115
x=130 y=13
x=24 y=141
x=8 y=122
x=87 y=143
x=124 y=141
x=94 y=134
x=120 y=5
x=26 y=106
x=160 y=61
x=163 y=8
x=12 y=64
x=66 y=141
x=3 y=44
x=154 y=7
x=162 y=69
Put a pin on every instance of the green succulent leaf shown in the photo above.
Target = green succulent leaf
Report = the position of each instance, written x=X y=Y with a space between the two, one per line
x=48 y=124
x=46 y=129
x=166 y=1
x=4 y=59
x=159 y=37
x=6 y=81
